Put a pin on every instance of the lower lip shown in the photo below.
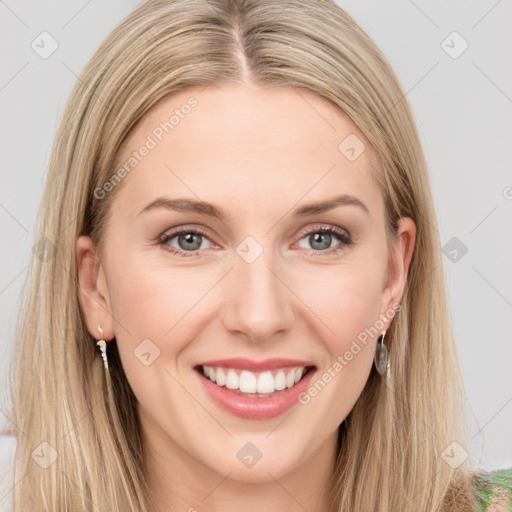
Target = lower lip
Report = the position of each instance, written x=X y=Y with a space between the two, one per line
x=251 y=408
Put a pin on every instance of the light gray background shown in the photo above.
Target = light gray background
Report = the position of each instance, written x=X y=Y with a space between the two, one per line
x=463 y=109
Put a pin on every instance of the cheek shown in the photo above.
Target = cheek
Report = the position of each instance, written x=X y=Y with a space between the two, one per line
x=152 y=299
x=346 y=298
x=347 y=301
x=147 y=292
x=146 y=302
x=149 y=305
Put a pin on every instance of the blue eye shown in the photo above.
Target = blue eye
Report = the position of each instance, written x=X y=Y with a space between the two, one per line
x=191 y=241
x=320 y=238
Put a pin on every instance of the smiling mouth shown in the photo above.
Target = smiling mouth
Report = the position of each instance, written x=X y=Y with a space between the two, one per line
x=255 y=384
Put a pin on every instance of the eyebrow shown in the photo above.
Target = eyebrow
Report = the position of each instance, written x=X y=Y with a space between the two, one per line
x=205 y=208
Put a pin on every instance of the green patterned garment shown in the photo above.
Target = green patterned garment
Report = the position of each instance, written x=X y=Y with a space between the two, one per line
x=495 y=492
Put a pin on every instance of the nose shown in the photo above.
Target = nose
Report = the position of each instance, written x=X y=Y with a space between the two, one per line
x=259 y=302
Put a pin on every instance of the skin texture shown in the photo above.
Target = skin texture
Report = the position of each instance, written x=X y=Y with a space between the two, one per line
x=258 y=154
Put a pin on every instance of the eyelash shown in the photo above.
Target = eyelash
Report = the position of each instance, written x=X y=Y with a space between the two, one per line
x=341 y=235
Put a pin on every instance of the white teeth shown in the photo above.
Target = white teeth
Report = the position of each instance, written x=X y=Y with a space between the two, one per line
x=248 y=382
x=265 y=383
x=280 y=381
x=220 y=377
x=290 y=378
x=232 y=381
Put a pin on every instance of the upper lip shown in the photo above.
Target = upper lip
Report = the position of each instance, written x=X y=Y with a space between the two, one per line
x=256 y=366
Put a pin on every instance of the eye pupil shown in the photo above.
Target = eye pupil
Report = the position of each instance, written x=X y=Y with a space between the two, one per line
x=323 y=238
x=190 y=238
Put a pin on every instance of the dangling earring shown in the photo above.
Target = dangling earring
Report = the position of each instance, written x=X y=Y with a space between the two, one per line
x=103 y=347
x=381 y=356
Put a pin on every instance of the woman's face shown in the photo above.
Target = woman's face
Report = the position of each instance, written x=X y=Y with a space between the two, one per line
x=214 y=252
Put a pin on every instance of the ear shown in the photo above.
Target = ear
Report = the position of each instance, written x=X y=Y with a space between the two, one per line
x=93 y=290
x=398 y=266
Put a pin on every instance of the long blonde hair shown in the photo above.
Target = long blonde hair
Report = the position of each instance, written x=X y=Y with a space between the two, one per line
x=391 y=444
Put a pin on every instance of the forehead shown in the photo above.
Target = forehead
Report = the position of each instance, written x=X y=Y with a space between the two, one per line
x=239 y=144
